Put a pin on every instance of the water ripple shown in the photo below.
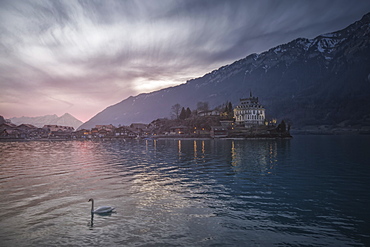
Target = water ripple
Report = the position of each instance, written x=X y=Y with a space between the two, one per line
x=309 y=191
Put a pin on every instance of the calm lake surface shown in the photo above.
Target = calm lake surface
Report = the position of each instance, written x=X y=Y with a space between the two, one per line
x=307 y=191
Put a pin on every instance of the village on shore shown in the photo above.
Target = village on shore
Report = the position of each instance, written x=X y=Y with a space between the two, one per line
x=246 y=120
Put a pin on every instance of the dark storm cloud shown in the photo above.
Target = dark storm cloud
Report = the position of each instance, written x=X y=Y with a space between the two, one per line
x=86 y=55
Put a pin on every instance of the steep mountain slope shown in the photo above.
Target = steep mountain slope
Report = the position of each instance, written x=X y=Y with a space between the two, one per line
x=65 y=120
x=325 y=80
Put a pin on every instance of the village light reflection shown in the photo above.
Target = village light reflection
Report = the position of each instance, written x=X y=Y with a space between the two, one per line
x=234 y=157
x=273 y=155
x=179 y=146
x=253 y=157
x=199 y=154
x=259 y=156
x=195 y=149
x=256 y=156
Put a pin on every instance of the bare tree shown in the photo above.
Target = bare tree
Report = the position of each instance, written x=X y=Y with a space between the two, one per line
x=202 y=106
x=175 y=110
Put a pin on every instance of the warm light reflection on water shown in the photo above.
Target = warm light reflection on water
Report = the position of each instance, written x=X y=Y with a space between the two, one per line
x=179 y=147
x=255 y=156
x=195 y=150
x=305 y=191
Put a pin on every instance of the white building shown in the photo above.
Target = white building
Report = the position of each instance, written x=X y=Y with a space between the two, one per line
x=249 y=112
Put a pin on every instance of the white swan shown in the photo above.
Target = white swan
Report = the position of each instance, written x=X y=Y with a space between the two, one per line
x=100 y=210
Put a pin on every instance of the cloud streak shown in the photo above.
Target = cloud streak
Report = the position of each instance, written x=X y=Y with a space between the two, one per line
x=82 y=56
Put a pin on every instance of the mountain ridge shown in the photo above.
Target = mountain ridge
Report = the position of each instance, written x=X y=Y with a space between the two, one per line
x=324 y=80
x=65 y=120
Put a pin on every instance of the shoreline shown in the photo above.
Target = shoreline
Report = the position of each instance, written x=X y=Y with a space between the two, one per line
x=146 y=138
x=176 y=137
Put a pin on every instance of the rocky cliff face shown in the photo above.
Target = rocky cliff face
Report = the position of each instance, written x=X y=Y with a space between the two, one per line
x=325 y=80
x=65 y=120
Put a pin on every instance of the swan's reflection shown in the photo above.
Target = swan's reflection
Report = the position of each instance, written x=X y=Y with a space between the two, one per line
x=91 y=222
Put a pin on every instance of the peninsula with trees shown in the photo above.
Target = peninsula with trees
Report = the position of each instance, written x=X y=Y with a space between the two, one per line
x=246 y=120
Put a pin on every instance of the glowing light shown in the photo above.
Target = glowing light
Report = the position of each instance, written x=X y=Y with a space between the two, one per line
x=143 y=85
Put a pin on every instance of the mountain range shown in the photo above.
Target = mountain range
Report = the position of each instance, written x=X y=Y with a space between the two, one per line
x=64 y=120
x=319 y=81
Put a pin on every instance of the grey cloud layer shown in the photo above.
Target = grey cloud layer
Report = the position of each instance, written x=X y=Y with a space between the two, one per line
x=104 y=51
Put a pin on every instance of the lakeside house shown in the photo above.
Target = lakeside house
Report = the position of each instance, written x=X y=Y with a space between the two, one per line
x=219 y=132
x=201 y=132
x=58 y=131
x=179 y=130
x=139 y=126
x=107 y=127
x=209 y=113
x=9 y=131
x=28 y=131
x=58 y=128
x=249 y=112
x=125 y=132
x=82 y=134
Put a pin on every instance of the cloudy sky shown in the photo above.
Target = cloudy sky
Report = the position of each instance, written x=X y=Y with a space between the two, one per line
x=82 y=56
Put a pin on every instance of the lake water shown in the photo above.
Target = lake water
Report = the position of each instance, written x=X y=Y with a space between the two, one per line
x=307 y=191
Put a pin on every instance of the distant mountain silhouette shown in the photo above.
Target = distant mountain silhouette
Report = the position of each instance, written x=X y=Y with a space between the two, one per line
x=325 y=80
x=65 y=120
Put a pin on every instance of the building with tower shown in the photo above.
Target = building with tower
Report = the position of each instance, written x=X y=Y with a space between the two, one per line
x=249 y=112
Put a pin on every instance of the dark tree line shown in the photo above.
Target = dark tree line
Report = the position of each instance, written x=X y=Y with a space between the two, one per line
x=229 y=108
x=185 y=113
x=178 y=112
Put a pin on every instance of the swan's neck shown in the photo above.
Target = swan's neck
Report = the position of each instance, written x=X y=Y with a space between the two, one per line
x=92 y=205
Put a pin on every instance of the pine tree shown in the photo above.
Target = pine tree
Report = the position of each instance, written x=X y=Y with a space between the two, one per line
x=183 y=113
x=226 y=108
x=188 y=112
x=230 y=108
